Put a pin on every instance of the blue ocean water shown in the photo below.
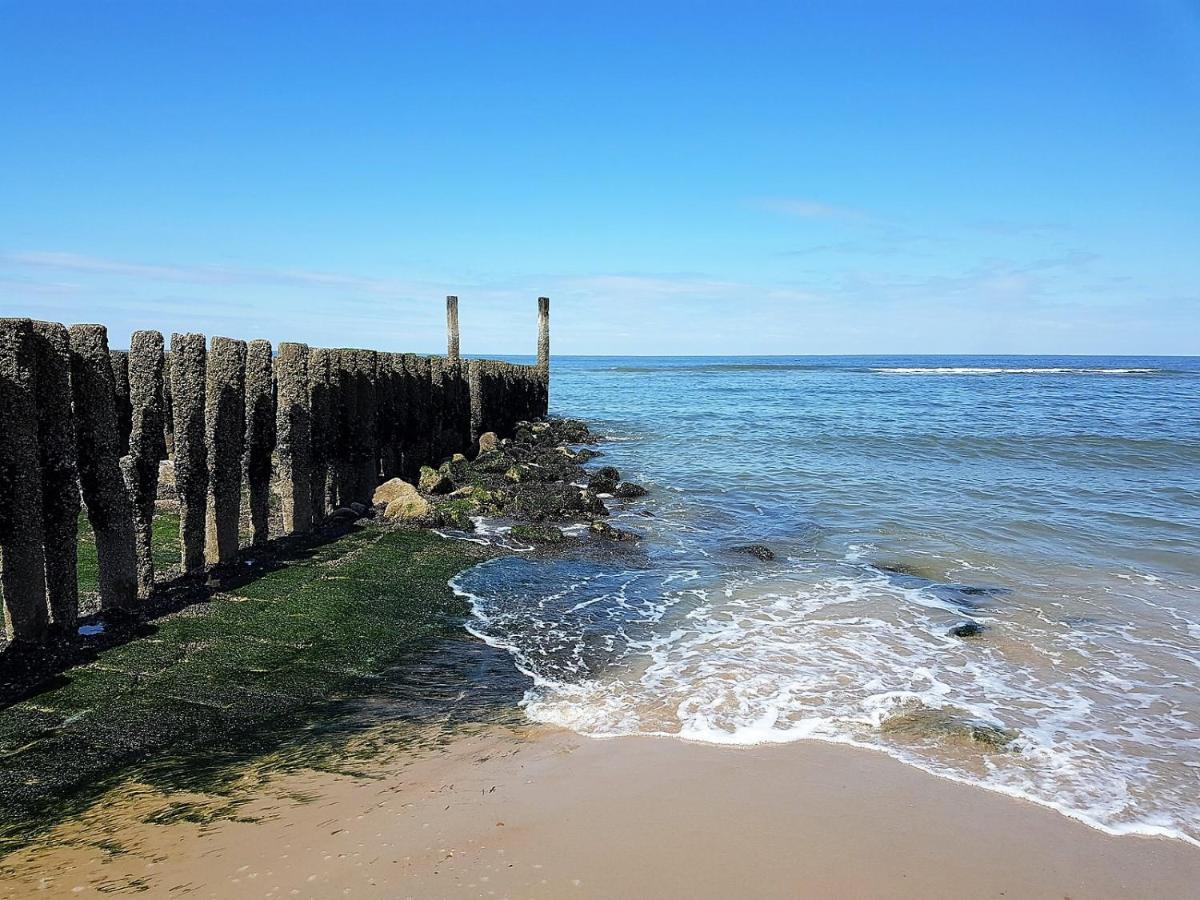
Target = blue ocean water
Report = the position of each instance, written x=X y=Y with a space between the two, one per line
x=1054 y=501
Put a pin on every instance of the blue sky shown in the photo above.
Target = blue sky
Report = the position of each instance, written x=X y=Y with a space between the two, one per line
x=678 y=177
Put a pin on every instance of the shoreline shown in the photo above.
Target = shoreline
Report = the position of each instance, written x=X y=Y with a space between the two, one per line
x=541 y=812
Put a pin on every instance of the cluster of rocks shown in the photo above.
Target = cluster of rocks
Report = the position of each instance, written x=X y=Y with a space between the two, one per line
x=536 y=479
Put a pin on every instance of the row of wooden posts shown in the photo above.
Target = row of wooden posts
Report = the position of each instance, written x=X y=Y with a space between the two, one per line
x=80 y=423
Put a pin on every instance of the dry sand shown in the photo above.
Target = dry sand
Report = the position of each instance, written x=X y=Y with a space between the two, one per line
x=550 y=814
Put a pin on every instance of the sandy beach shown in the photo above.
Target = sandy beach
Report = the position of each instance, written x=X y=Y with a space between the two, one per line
x=545 y=813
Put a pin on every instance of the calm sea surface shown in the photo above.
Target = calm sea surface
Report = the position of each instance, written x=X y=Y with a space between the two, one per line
x=1054 y=501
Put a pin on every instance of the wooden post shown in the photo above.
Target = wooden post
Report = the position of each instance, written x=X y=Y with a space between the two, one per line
x=260 y=437
x=60 y=477
x=225 y=434
x=146 y=445
x=543 y=350
x=104 y=489
x=451 y=327
x=188 y=379
x=294 y=425
x=22 y=567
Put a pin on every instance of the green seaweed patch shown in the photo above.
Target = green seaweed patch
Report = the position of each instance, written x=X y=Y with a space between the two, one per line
x=232 y=679
x=945 y=724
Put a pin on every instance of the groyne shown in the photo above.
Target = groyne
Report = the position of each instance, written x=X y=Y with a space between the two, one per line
x=242 y=424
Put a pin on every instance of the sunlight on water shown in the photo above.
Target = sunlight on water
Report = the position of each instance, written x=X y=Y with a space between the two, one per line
x=1055 y=506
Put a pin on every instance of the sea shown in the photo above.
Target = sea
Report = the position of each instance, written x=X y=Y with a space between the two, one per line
x=1054 y=502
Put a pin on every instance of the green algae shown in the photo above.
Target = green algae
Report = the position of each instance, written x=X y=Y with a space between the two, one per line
x=257 y=671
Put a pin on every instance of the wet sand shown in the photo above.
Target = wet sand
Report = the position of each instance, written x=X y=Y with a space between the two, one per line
x=535 y=813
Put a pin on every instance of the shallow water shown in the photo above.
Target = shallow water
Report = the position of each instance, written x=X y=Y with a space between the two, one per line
x=1055 y=501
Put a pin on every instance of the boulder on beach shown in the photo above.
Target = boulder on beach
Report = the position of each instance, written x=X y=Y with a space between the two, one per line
x=407 y=504
x=435 y=481
x=487 y=441
x=389 y=491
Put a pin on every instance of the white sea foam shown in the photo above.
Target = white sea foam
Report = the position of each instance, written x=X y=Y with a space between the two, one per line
x=1008 y=370
x=806 y=655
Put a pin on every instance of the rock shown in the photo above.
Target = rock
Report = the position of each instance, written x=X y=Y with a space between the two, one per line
x=538 y=534
x=516 y=474
x=758 y=551
x=493 y=462
x=467 y=491
x=408 y=504
x=967 y=629
x=573 y=431
x=924 y=722
x=627 y=490
x=608 y=532
x=457 y=514
x=487 y=441
x=435 y=481
x=538 y=502
x=585 y=454
x=359 y=509
x=604 y=480
x=592 y=504
x=456 y=468
x=342 y=515
x=390 y=490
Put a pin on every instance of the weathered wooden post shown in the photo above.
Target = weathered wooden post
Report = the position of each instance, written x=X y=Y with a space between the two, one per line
x=60 y=477
x=260 y=437
x=22 y=565
x=321 y=431
x=104 y=490
x=365 y=436
x=543 y=349
x=475 y=389
x=146 y=445
x=119 y=360
x=452 y=327
x=294 y=426
x=189 y=375
x=224 y=432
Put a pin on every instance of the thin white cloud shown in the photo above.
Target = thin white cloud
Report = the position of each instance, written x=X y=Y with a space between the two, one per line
x=806 y=208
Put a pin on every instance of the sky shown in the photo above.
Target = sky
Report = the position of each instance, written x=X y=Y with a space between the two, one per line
x=679 y=178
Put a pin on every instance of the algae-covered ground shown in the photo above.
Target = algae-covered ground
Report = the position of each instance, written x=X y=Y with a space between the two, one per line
x=246 y=673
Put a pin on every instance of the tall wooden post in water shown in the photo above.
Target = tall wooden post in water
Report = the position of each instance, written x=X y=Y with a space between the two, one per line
x=451 y=328
x=543 y=351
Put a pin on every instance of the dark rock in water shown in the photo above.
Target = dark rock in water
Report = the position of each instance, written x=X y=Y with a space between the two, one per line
x=758 y=551
x=592 y=504
x=966 y=629
x=627 y=490
x=920 y=570
x=604 y=480
x=602 y=529
x=538 y=534
x=584 y=454
x=647 y=514
x=573 y=431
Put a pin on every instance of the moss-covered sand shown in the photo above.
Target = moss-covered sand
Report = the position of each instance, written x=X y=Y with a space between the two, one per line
x=239 y=675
